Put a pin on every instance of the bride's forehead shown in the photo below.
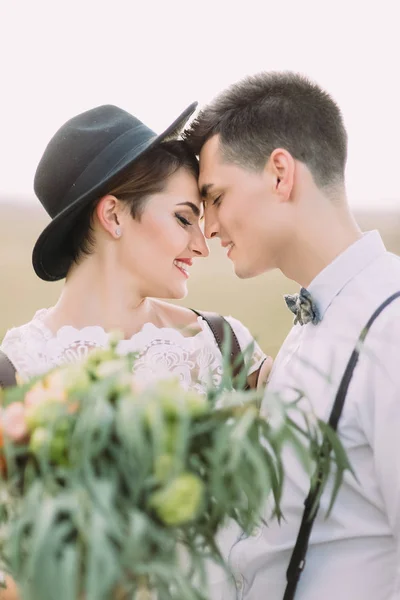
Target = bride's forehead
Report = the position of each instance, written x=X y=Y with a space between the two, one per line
x=173 y=200
x=180 y=190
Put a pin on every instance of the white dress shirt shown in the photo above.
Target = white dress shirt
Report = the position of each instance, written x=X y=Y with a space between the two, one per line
x=355 y=553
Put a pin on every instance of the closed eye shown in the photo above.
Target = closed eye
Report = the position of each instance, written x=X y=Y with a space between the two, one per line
x=182 y=220
x=217 y=200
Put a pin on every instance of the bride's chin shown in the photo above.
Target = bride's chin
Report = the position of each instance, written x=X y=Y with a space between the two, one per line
x=176 y=294
x=182 y=295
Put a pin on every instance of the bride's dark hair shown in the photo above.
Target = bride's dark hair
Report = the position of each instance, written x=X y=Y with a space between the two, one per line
x=148 y=176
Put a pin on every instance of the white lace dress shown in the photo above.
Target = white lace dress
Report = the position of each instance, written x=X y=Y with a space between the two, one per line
x=162 y=352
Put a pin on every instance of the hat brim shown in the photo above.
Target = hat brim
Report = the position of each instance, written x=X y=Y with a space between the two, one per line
x=48 y=257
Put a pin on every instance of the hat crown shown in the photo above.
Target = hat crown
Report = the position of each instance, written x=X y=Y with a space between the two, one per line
x=75 y=146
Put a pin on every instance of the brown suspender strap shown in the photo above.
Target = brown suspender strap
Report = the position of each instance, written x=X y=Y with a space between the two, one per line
x=298 y=558
x=7 y=371
x=221 y=328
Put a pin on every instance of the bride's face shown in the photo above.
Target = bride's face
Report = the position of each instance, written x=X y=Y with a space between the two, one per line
x=158 y=249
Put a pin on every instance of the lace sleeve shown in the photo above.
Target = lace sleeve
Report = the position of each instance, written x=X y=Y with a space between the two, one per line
x=22 y=345
x=252 y=361
x=13 y=348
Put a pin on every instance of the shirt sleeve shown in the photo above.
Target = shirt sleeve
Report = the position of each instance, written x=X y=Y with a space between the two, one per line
x=253 y=355
x=379 y=408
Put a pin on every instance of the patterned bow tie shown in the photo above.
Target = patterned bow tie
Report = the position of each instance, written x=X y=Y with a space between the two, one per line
x=303 y=307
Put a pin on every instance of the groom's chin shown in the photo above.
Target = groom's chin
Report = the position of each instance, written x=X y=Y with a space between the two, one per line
x=242 y=273
x=248 y=271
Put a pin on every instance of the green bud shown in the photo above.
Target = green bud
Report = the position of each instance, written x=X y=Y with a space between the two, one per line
x=58 y=446
x=171 y=397
x=175 y=401
x=196 y=403
x=109 y=368
x=40 y=440
x=114 y=338
x=96 y=357
x=180 y=501
x=76 y=379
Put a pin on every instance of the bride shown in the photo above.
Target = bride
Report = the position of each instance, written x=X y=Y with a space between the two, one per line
x=125 y=229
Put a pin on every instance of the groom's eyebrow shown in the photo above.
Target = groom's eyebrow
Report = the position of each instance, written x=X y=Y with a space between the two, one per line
x=205 y=190
x=194 y=208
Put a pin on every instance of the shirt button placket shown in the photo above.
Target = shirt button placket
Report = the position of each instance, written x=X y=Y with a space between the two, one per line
x=239 y=586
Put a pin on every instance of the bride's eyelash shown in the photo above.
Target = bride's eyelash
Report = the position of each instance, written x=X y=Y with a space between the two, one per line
x=184 y=221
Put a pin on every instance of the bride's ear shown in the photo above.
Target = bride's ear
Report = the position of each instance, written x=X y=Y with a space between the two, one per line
x=108 y=212
x=281 y=166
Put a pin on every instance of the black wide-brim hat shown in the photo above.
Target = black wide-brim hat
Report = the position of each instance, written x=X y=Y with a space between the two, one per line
x=77 y=167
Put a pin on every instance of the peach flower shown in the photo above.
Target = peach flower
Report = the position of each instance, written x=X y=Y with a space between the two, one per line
x=51 y=389
x=13 y=422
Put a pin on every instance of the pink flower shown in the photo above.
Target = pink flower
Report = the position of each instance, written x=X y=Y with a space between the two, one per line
x=55 y=386
x=45 y=401
x=36 y=395
x=13 y=421
x=51 y=389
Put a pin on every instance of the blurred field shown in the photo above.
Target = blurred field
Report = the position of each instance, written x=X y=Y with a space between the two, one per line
x=213 y=286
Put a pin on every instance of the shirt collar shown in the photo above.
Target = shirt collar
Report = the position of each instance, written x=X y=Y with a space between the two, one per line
x=333 y=278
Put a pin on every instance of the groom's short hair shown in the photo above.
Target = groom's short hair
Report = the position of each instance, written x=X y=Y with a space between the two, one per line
x=276 y=110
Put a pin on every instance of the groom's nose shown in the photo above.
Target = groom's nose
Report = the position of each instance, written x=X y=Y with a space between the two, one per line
x=211 y=228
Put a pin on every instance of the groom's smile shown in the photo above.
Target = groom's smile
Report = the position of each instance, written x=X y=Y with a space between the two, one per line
x=228 y=245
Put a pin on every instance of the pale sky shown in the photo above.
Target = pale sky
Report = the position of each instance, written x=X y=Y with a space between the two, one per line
x=154 y=58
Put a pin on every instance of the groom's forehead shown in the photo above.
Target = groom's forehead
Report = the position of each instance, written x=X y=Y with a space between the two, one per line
x=210 y=165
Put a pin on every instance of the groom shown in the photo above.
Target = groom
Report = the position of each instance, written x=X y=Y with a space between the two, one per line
x=272 y=153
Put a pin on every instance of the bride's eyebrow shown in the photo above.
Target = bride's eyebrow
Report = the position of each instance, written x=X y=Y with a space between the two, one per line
x=194 y=208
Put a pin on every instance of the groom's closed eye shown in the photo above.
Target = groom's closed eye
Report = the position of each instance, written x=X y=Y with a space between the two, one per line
x=210 y=195
x=217 y=200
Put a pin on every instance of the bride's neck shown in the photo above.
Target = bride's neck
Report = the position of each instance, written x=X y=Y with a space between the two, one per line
x=102 y=297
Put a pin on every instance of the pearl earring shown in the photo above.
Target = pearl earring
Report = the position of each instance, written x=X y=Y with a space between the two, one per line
x=118 y=232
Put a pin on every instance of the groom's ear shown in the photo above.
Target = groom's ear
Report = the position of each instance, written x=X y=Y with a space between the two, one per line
x=281 y=167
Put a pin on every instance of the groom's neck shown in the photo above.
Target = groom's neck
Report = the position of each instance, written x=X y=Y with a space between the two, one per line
x=323 y=231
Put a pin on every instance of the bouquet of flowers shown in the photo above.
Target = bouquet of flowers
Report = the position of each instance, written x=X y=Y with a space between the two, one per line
x=110 y=491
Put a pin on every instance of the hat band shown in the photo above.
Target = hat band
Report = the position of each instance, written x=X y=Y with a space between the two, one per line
x=133 y=142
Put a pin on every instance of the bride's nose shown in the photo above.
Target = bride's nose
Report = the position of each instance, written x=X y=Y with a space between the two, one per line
x=199 y=246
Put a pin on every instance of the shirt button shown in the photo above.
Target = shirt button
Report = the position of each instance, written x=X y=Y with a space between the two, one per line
x=239 y=583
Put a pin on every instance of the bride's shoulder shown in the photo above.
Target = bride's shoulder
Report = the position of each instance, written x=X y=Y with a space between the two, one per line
x=174 y=315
